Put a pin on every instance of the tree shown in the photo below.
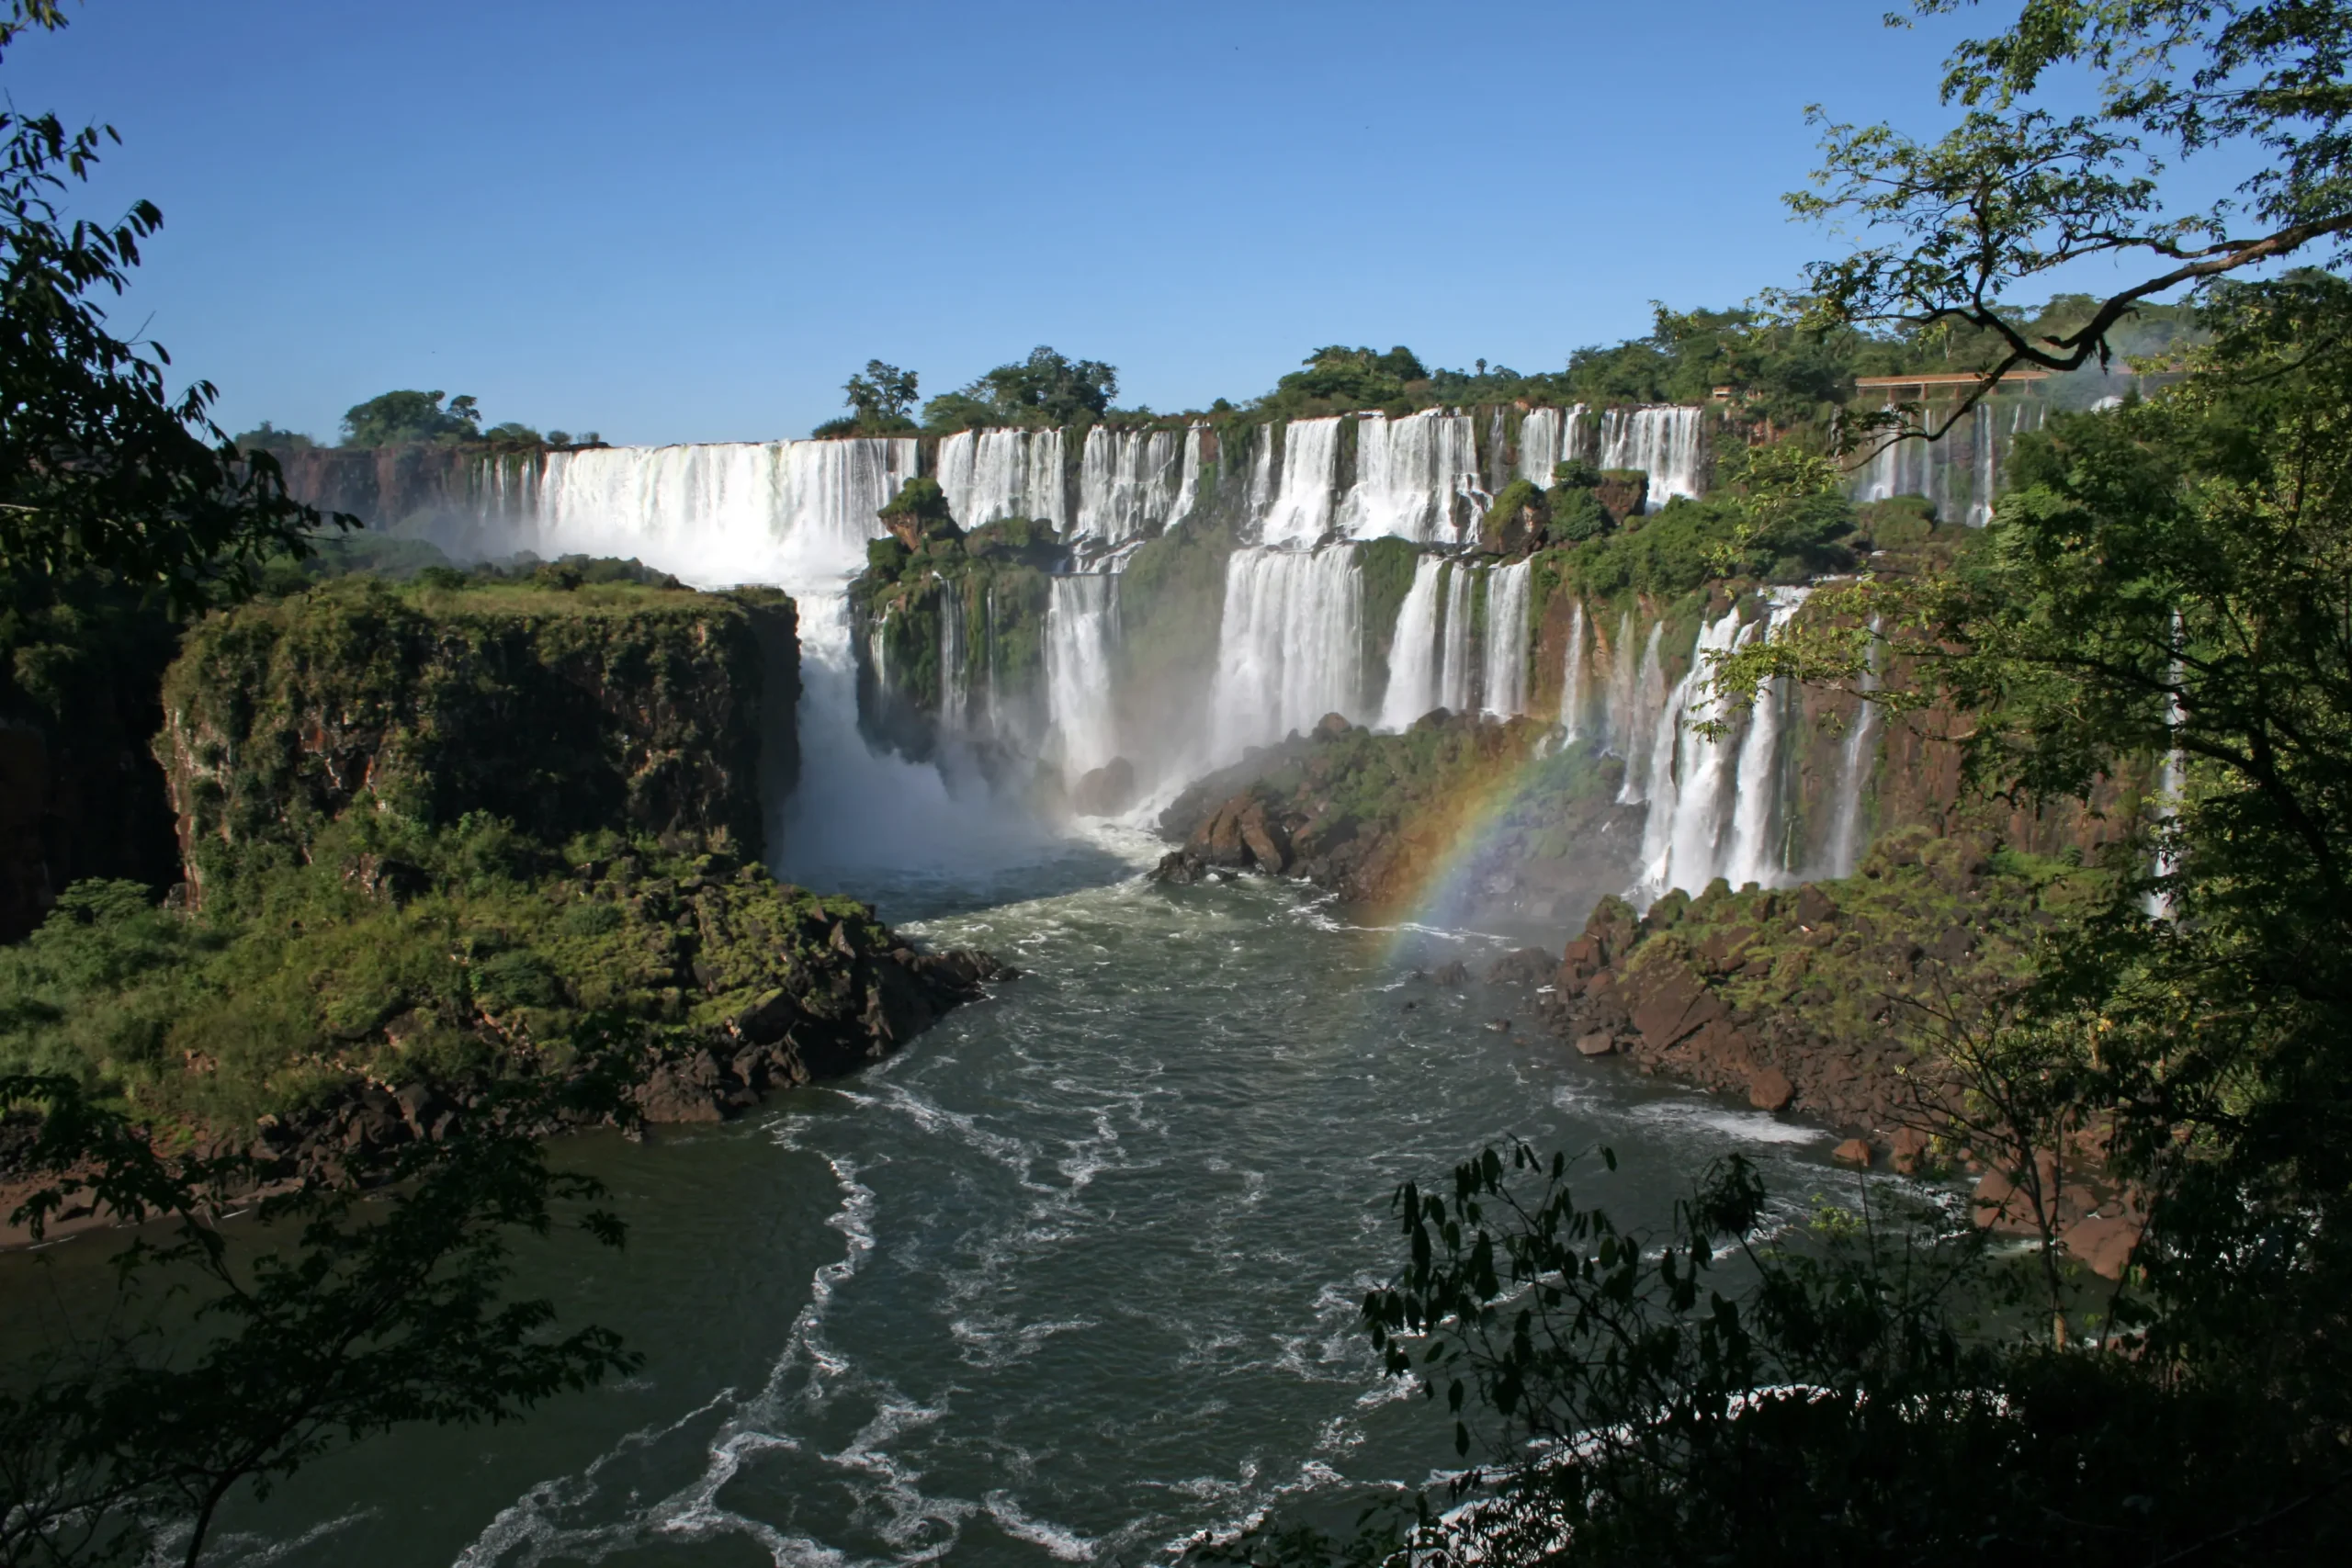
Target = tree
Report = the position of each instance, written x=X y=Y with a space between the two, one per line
x=268 y=435
x=883 y=397
x=100 y=465
x=1044 y=389
x=328 y=1315
x=2017 y=190
x=396 y=419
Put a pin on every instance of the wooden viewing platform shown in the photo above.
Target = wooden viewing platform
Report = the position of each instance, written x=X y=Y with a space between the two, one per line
x=1950 y=379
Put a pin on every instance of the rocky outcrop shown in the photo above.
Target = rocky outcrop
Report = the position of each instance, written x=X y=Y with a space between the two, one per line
x=617 y=705
x=1474 y=804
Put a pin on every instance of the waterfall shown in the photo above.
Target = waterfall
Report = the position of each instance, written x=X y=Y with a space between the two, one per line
x=1663 y=441
x=1132 y=482
x=1854 y=765
x=1754 y=855
x=1412 y=652
x=1301 y=513
x=1454 y=641
x=1262 y=470
x=989 y=475
x=797 y=514
x=1505 y=682
x=1188 y=477
x=1958 y=474
x=1415 y=478
x=955 y=675
x=2175 y=778
x=1635 y=710
x=789 y=513
x=1292 y=646
x=1572 y=692
x=1548 y=437
x=1081 y=627
x=1680 y=838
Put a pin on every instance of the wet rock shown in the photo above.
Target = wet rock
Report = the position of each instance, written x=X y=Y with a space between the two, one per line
x=2103 y=1244
x=1908 y=1150
x=1331 y=725
x=1454 y=975
x=1770 y=1089
x=1528 y=966
x=1268 y=847
x=1599 y=1042
x=1106 y=790
x=1854 y=1151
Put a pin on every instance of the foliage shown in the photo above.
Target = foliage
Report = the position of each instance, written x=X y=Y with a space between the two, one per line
x=266 y=434
x=1045 y=389
x=1735 y=1388
x=2017 y=190
x=1339 y=378
x=325 y=1318
x=102 y=467
x=919 y=512
x=398 y=954
x=396 y=419
x=882 y=398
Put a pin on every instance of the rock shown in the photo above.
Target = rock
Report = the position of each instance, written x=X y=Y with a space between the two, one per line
x=1454 y=975
x=1770 y=1089
x=1909 y=1149
x=2103 y=1244
x=1672 y=1003
x=1331 y=725
x=1218 y=841
x=1105 y=791
x=1528 y=966
x=1814 y=907
x=1854 y=1151
x=386 y=879
x=764 y=1022
x=1498 y=1026
x=1264 y=839
x=1599 y=1042
x=1998 y=1204
x=682 y=1093
x=1180 y=867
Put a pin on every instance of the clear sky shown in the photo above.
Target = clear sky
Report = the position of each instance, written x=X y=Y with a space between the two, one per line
x=692 y=221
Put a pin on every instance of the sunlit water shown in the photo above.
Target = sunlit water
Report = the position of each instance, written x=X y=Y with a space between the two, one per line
x=1073 y=1280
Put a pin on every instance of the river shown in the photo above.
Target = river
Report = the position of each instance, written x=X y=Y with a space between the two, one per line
x=1072 y=1278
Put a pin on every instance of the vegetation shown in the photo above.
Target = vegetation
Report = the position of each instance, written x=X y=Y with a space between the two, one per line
x=398 y=419
x=1042 y=390
x=221 y=1359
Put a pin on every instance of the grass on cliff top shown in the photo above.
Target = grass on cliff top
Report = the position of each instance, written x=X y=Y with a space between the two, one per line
x=398 y=954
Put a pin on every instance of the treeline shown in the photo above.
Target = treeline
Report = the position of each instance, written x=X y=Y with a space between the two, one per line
x=409 y=418
x=1771 y=368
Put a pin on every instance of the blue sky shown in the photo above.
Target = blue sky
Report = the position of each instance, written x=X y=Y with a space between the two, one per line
x=692 y=222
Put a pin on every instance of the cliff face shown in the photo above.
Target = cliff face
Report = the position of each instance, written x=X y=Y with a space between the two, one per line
x=613 y=706
x=81 y=661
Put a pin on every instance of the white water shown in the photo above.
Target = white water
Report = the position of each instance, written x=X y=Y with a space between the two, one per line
x=1960 y=473
x=1637 y=709
x=990 y=475
x=1663 y=441
x=1504 y=686
x=1755 y=854
x=1680 y=838
x=1854 y=765
x=1454 y=641
x=1417 y=478
x=1412 y=653
x=1548 y=437
x=1134 y=482
x=1081 y=627
x=1292 y=648
x=1574 y=698
x=1301 y=511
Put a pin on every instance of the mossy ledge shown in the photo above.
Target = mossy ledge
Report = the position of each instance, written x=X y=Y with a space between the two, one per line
x=466 y=830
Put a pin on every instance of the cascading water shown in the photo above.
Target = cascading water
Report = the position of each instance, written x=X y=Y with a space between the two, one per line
x=1636 y=709
x=989 y=475
x=1301 y=511
x=1663 y=441
x=1715 y=801
x=1573 y=699
x=1081 y=627
x=1416 y=477
x=1412 y=653
x=1548 y=437
x=1292 y=647
x=1131 y=482
x=1454 y=667
x=1679 y=838
x=797 y=514
x=1504 y=683
x=1854 y=765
